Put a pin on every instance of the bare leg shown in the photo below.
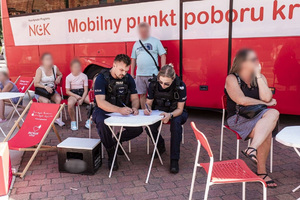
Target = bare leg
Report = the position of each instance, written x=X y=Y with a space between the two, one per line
x=264 y=128
x=143 y=100
x=87 y=100
x=71 y=109
x=261 y=140
x=2 y=109
x=56 y=98
x=43 y=100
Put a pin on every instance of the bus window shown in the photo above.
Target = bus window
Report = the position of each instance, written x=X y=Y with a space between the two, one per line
x=82 y=3
x=17 y=7
x=48 y=5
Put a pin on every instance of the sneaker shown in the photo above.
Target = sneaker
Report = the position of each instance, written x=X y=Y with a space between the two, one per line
x=59 y=122
x=87 y=124
x=74 y=126
x=3 y=120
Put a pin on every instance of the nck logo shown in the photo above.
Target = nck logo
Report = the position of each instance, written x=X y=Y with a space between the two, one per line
x=39 y=30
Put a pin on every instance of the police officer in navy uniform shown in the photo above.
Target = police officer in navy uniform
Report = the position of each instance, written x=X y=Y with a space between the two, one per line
x=115 y=91
x=167 y=93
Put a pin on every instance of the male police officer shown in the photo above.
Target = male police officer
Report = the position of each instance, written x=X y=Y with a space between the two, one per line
x=168 y=93
x=115 y=91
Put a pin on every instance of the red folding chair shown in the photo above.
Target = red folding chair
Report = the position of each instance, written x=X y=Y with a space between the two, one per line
x=33 y=132
x=238 y=138
x=91 y=84
x=230 y=171
x=65 y=101
x=23 y=84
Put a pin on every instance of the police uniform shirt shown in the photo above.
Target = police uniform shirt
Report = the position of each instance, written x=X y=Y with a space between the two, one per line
x=181 y=91
x=101 y=84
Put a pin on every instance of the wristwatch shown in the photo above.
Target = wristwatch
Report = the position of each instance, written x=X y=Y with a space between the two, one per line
x=171 y=115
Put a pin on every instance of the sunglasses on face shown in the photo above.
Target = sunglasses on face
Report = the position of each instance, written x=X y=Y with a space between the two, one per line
x=165 y=84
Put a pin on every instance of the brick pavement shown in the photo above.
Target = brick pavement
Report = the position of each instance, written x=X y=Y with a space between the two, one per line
x=43 y=180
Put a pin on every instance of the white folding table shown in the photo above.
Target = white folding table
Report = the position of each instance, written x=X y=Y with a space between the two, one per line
x=9 y=96
x=290 y=136
x=139 y=120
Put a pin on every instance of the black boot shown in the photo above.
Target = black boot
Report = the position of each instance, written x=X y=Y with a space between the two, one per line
x=174 y=166
x=161 y=149
x=110 y=153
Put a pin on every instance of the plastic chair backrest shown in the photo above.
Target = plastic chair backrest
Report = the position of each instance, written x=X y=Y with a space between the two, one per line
x=224 y=101
x=202 y=139
x=91 y=84
x=91 y=96
x=24 y=83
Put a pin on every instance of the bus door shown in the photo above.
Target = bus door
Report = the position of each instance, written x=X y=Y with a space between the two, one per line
x=205 y=51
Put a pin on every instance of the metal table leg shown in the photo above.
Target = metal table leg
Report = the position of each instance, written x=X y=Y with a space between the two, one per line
x=116 y=150
x=15 y=110
x=297 y=151
x=154 y=150
x=2 y=132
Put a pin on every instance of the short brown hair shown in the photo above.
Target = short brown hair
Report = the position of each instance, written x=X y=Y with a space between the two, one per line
x=75 y=61
x=144 y=25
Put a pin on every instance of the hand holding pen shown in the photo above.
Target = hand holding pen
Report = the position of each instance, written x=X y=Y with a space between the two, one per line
x=147 y=110
x=125 y=110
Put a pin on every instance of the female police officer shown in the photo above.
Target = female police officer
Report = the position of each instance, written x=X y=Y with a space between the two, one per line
x=168 y=93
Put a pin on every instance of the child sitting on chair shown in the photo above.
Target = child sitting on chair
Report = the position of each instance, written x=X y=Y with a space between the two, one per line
x=6 y=86
x=77 y=90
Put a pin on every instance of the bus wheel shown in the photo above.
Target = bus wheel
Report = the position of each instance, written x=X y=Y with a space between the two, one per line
x=93 y=70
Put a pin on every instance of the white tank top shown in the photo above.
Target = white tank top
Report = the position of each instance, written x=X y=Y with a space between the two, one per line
x=48 y=80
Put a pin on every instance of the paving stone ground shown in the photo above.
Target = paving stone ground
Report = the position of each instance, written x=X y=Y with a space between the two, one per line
x=43 y=180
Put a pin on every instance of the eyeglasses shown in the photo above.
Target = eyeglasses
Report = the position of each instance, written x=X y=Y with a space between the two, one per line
x=165 y=84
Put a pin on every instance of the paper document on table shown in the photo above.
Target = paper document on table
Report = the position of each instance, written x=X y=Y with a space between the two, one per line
x=141 y=113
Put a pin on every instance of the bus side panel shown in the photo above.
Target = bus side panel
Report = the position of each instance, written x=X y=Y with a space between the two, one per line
x=280 y=59
x=100 y=49
x=22 y=60
x=275 y=38
x=7 y=33
x=204 y=71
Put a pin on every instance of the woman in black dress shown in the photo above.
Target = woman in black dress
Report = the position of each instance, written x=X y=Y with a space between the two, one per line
x=245 y=87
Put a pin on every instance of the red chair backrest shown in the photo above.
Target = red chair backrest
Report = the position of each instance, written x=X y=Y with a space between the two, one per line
x=91 y=84
x=224 y=101
x=37 y=121
x=91 y=96
x=24 y=83
x=202 y=139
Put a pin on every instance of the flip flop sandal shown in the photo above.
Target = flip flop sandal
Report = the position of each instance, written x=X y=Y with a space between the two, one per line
x=267 y=182
x=250 y=156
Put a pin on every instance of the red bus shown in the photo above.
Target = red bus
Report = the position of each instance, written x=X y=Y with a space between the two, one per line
x=201 y=38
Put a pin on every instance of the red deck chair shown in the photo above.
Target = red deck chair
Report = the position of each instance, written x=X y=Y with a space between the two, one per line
x=23 y=84
x=31 y=136
x=238 y=138
x=230 y=171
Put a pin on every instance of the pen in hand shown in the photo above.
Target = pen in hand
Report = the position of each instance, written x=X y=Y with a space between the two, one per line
x=147 y=109
x=126 y=106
